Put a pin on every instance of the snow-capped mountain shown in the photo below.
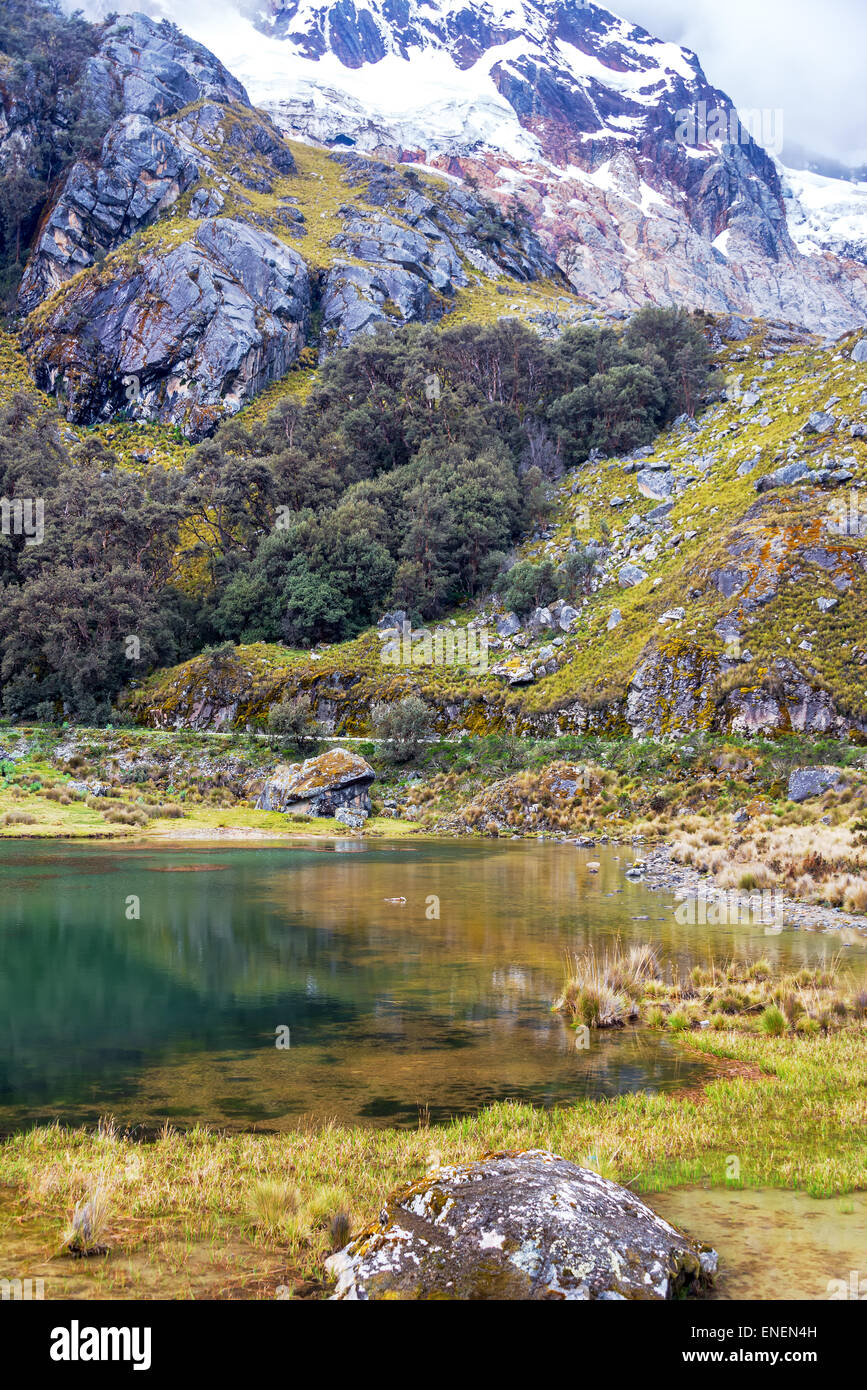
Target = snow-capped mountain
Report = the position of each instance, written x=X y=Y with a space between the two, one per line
x=631 y=165
x=826 y=214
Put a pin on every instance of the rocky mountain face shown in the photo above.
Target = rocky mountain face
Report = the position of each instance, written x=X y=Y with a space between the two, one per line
x=169 y=275
x=179 y=271
x=183 y=330
x=579 y=117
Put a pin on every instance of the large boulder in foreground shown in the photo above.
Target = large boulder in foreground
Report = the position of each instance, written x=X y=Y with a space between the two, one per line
x=319 y=786
x=520 y=1226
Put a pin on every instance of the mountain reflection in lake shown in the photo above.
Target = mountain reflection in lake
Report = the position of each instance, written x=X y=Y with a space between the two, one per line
x=389 y=1007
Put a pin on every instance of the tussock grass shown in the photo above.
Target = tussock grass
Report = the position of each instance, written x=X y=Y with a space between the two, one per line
x=798 y=1124
x=602 y=991
x=612 y=988
x=791 y=850
x=89 y=1224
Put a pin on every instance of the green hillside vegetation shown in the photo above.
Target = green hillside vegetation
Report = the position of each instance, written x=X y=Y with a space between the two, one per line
x=303 y=527
x=718 y=521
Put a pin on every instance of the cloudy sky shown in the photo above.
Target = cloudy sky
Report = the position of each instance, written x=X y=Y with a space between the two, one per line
x=805 y=58
x=799 y=56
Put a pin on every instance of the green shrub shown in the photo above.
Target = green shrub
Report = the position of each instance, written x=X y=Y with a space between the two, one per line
x=403 y=727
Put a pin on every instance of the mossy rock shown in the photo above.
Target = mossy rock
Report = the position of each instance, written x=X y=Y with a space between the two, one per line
x=524 y=1225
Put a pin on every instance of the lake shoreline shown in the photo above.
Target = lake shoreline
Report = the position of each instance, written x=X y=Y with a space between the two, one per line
x=663 y=874
x=200 y=1212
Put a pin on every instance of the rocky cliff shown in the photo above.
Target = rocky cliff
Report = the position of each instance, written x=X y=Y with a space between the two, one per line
x=175 y=275
x=634 y=168
x=575 y=149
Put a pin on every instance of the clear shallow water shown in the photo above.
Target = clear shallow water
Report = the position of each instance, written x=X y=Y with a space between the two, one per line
x=174 y=1016
x=775 y=1244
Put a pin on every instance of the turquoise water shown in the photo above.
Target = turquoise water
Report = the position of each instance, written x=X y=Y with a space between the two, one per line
x=390 y=1010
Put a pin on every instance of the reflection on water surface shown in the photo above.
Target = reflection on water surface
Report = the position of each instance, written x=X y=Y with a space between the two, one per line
x=390 y=1008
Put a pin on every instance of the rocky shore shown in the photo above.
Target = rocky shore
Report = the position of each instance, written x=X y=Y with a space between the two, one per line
x=662 y=874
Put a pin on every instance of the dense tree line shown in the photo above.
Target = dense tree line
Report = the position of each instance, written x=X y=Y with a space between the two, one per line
x=405 y=480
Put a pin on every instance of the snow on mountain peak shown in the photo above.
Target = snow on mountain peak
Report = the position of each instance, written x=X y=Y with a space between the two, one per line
x=570 y=113
x=431 y=74
x=826 y=214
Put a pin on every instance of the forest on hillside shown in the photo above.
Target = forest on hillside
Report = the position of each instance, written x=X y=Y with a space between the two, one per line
x=419 y=459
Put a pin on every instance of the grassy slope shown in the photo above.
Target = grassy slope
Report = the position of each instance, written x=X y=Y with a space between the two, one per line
x=715 y=508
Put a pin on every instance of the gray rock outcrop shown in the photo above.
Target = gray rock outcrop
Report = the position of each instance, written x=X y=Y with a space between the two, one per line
x=520 y=1226
x=194 y=332
x=320 y=786
x=805 y=782
x=144 y=72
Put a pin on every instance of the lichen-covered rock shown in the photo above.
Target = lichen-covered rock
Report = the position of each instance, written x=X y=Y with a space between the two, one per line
x=356 y=298
x=200 y=329
x=671 y=692
x=509 y=625
x=516 y=670
x=318 y=786
x=786 y=476
x=526 y=1225
x=805 y=782
x=820 y=422
x=788 y=704
x=655 y=484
